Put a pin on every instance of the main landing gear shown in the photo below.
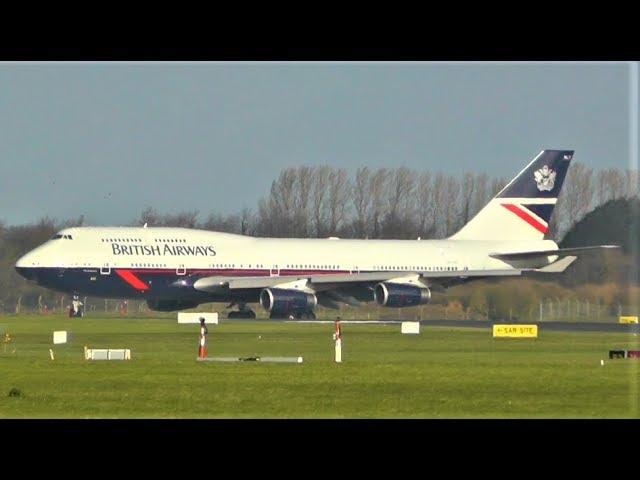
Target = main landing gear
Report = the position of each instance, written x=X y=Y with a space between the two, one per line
x=242 y=312
x=293 y=316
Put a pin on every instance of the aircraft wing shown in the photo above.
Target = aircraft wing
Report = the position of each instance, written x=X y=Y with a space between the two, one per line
x=212 y=284
x=561 y=252
x=218 y=283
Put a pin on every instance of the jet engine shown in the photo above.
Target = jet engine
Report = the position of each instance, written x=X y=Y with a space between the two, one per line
x=282 y=302
x=400 y=295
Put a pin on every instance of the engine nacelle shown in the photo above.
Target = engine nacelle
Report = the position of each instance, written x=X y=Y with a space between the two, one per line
x=400 y=295
x=169 y=305
x=280 y=301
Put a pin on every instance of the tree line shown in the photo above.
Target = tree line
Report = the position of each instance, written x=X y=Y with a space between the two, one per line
x=325 y=201
x=396 y=203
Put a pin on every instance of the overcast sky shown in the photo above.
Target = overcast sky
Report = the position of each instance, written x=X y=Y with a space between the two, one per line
x=108 y=139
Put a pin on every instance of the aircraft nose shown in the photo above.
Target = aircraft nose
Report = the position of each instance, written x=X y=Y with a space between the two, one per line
x=25 y=267
x=28 y=273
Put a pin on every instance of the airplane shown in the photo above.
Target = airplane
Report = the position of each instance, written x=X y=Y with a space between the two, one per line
x=179 y=268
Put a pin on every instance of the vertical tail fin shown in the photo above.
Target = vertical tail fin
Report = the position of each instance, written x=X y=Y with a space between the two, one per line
x=522 y=209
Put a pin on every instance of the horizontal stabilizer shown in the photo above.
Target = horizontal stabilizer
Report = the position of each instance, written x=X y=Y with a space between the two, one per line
x=561 y=252
x=559 y=266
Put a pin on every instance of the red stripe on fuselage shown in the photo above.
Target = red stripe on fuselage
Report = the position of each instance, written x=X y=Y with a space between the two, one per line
x=132 y=280
x=526 y=217
x=236 y=272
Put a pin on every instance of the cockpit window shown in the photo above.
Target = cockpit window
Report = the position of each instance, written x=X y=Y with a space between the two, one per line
x=55 y=237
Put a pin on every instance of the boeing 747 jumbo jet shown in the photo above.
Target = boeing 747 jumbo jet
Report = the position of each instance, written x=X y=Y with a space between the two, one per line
x=179 y=268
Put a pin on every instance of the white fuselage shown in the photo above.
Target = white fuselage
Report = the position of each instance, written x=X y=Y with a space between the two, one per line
x=188 y=249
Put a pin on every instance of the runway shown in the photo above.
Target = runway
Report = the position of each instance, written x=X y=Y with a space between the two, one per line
x=542 y=326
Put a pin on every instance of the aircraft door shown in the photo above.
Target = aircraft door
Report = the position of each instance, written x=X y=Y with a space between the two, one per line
x=275 y=271
x=105 y=269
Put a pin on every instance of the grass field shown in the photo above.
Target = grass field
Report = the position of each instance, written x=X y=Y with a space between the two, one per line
x=441 y=373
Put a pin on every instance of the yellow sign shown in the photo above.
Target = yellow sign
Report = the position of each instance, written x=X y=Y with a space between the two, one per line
x=518 y=331
x=628 y=319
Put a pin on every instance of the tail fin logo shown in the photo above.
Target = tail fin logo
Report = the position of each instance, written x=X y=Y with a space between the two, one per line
x=545 y=178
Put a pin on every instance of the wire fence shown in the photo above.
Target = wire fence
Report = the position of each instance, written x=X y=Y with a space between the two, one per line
x=546 y=310
x=582 y=310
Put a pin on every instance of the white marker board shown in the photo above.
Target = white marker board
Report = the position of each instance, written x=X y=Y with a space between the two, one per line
x=107 y=354
x=410 y=327
x=194 y=317
x=60 y=337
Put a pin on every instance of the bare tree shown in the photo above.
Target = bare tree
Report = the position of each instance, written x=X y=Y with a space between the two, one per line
x=304 y=178
x=451 y=205
x=152 y=218
x=275 y=212
x=377 y=188
x=438 y=201
x=221 y=223
x=149 y=216
x=553 y=229
x=425 y=206
x=407 y=204
x=602 y=192
x=574 y=201
x=77 y=222
x=339 y=191
x=632 y=183
x=319 y=199
x=398 y=217
x=284 y=196
x=264 y=222
x=361 y=198
x=497 y=184
x=615 y=183
x=246 y=221
x=182 y=219
x=467 y=196
x=481 y=194
x=579 y=191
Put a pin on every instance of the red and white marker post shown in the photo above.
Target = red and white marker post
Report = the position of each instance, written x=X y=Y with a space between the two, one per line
x=337 y=336
x=202 y=349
